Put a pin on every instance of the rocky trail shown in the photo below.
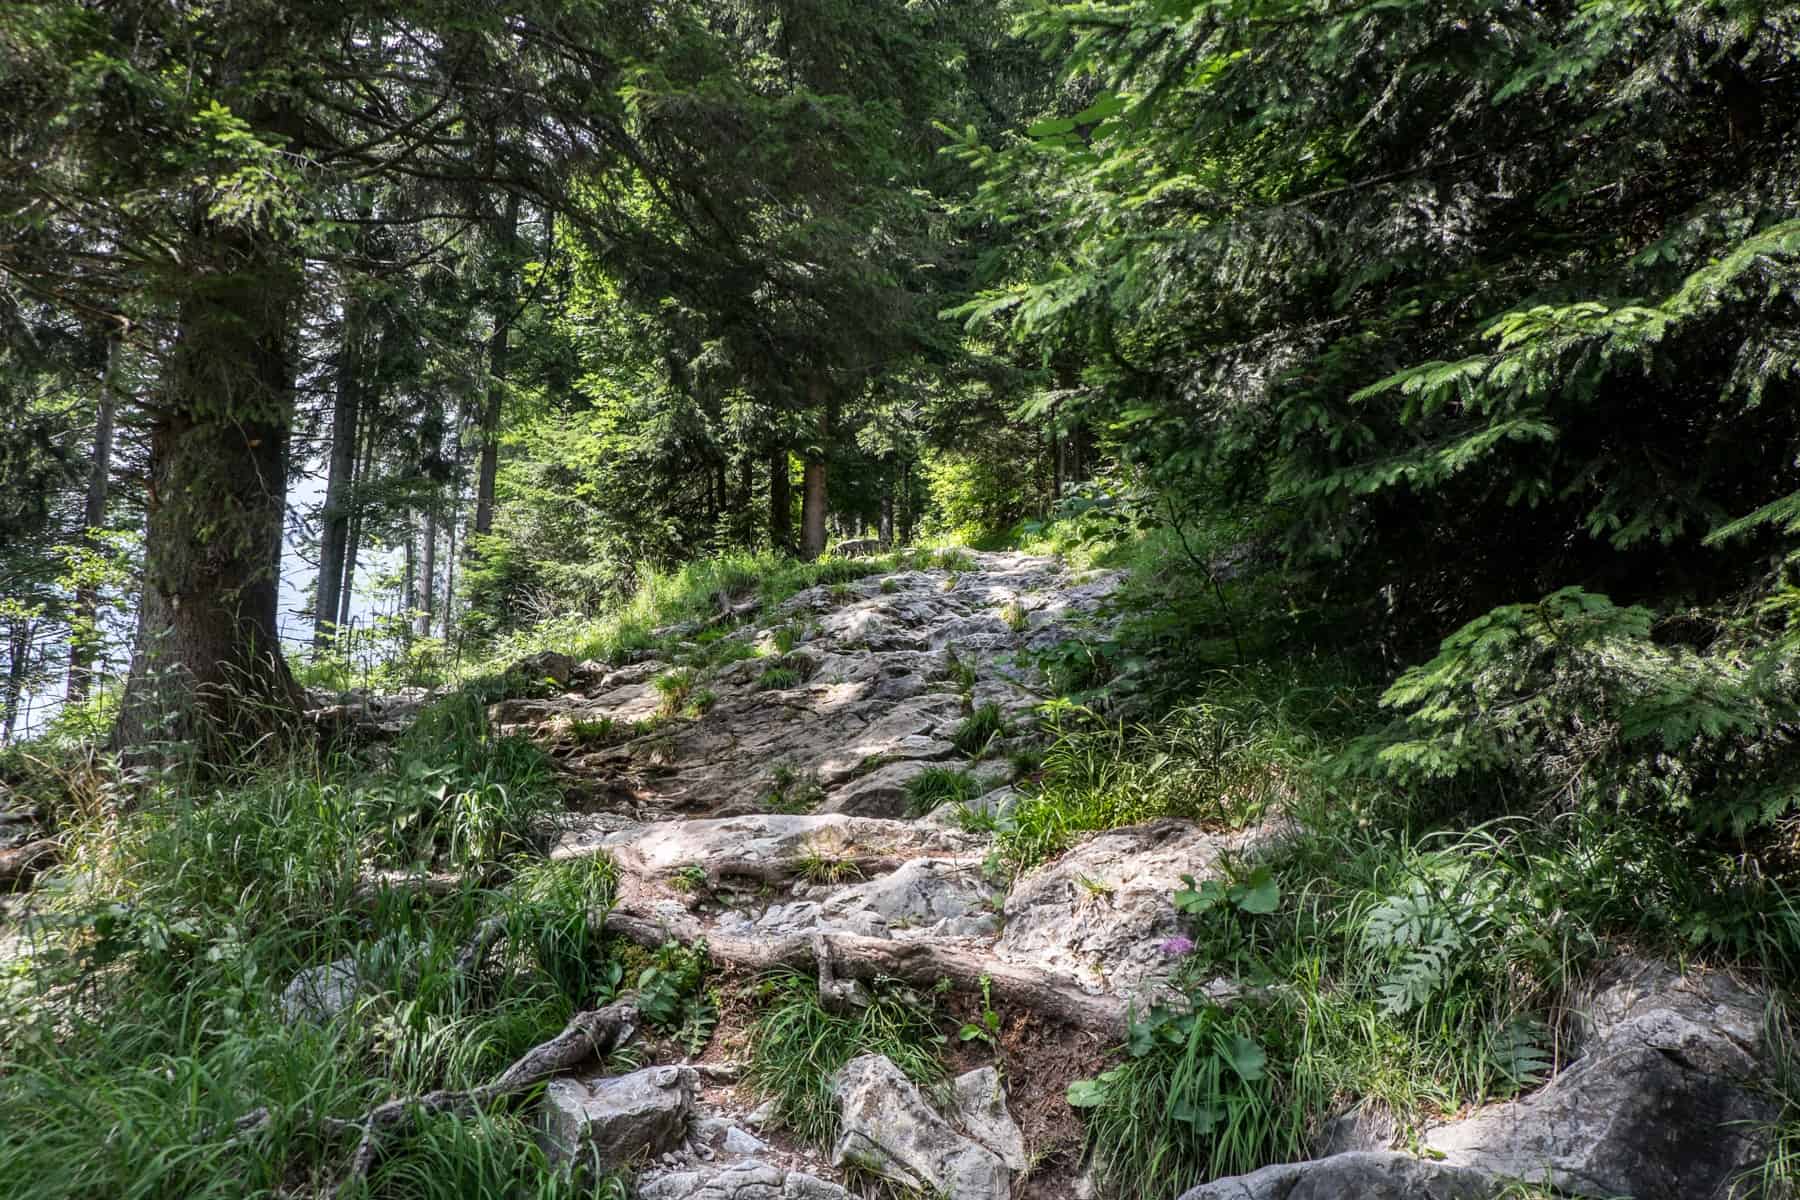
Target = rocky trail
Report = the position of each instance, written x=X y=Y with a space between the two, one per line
x=771 y=806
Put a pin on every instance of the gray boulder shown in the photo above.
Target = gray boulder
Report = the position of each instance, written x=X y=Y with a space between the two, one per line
x=323 y=992
x=1360 y=1175
x=887 y=1128
x=620 y=1120
x=980 y=1100
x=1661 y=1102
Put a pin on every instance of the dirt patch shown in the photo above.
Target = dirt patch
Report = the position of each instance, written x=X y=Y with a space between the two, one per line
x=1038 y=1060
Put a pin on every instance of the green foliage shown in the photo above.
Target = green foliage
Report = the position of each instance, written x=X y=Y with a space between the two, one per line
x=979 y=730
x=939 y=785
x=1577 y=700
x=796 y=1047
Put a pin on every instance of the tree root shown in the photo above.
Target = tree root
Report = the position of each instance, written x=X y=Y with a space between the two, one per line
x=587 y=1035
x=855 y=957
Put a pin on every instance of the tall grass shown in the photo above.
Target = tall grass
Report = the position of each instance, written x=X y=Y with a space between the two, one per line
x=147 y=1019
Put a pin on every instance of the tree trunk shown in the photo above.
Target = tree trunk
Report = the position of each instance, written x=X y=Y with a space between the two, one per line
x=812 y=511
x=19 y=636
x=87 y=598
x=428 y=574
x=885 y=529
x=334 y=524
x=906 y=504
x=781 y=502
x=505 y=232
x=209 y=666
x=359 y=478
x=812 y=496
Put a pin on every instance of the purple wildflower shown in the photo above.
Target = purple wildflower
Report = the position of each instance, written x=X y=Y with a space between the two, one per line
x=1176 y=947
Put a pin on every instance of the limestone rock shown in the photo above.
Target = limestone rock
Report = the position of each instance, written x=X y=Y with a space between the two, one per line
x=623 y=1119
x=323 y=992
x=756 y=841
x=887 y=1128
x=1661 y=1104
x=547 y=664
x=981 y=1105
x=748 y=1180
x=1099 y=914
x=922 y=898
x=1362 y=1175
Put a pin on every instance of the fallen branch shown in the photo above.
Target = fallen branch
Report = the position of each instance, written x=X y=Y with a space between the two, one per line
x=587 y=1035
x=921 y=963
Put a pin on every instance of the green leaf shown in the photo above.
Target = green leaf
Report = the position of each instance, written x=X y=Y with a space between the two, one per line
x=1245 y=1057
x=1258 y=894
x=1087 y=1093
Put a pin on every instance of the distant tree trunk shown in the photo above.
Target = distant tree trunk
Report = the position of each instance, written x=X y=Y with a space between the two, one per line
x=906 y=504
x=885 y=529
x=450 y=556
x=365 y=467
x=19 y=636
x=87 y=598
x=505 y=232
x=409 y=585
x=781 y=502
x=209 y=662
x=428 y=574
x=334 y=525
x=813 y=499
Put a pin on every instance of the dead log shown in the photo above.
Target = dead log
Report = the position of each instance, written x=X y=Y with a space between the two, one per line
x=921 y=963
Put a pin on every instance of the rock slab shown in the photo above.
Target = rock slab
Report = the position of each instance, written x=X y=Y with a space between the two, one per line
x=619 y=1120
x=887 y=1128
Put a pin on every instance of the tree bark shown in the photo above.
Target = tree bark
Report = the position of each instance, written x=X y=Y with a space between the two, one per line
x=813 y=498
x=208 y=666
x=87 y=598
x=506 y=230
x=885 y=529
x=781 y=502
x=428 y=574
x=334 y=525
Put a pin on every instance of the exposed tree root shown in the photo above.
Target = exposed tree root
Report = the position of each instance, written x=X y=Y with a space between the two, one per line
x=587 y=1035
x=852 y=956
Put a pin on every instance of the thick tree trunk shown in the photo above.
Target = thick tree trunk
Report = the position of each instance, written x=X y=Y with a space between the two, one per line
x=87 y=598
x=334 y=524
x=209 y=666
x=781 y=502
x=812 y=511
x=428 y=575
x=506 y=231
x=813 y=498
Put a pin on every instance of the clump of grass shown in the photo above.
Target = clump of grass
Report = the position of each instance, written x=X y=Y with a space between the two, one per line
x=778 y=679
x=826 y=859
x=792 y=791
x=954 y=560
x=939 y=785
x=1015 y=616
x=841 y=593
x=962 y=673
x=889 y=586
x=701 y=702
x=976 y=732
x=796 y=1047
x=674 y=687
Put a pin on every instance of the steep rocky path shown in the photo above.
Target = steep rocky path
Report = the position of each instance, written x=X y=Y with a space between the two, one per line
x=771 y=786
